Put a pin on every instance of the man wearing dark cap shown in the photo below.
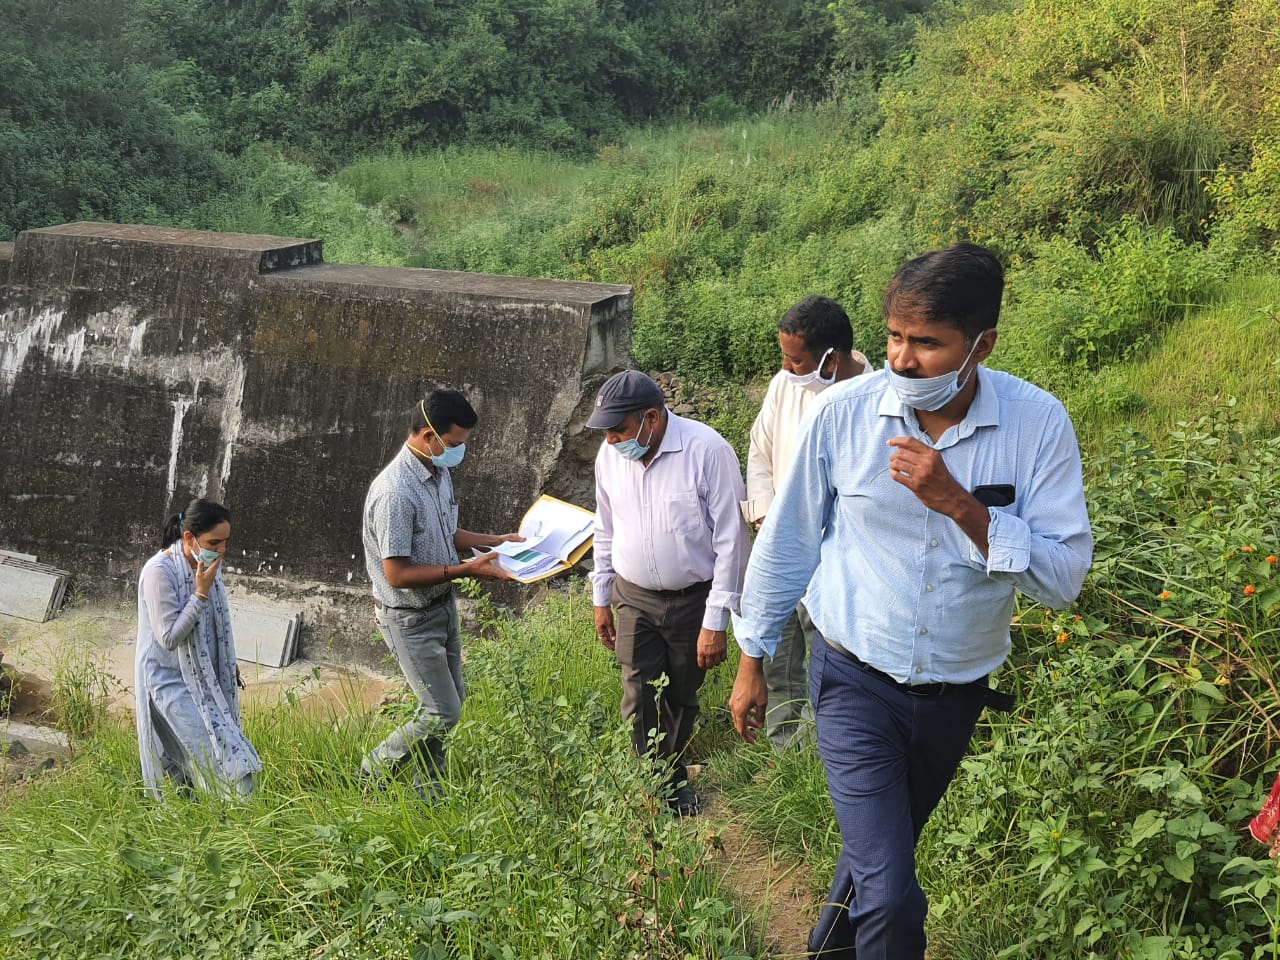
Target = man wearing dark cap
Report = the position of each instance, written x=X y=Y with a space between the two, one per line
x=670 y=552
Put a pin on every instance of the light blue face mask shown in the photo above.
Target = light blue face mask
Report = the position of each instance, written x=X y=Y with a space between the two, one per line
x=451 y=457
x=929 y=393
x=631 y=448
x=204 y=555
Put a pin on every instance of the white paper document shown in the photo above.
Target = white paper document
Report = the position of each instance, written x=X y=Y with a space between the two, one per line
x=553 y=530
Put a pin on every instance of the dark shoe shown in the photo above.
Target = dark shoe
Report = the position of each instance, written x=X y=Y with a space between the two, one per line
x=371 y=783
x=833 y=953
x=684 y=801
x=428 y=789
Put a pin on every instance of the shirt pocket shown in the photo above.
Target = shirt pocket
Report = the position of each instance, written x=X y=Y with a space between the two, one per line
x=681 y=514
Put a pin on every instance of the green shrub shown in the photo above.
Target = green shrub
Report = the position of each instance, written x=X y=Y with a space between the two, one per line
x=1071 y=311
x=274 y=196
x=1104 y=817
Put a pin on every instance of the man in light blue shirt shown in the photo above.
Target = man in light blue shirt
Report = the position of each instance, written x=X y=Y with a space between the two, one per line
x=921 y=498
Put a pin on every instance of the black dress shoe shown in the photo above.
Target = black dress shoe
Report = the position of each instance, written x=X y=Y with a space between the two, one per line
x=684 y=801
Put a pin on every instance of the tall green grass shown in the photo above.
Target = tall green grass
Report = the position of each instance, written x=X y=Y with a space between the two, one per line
x=550 y=842
x=1105 y=817
x=1228 y=351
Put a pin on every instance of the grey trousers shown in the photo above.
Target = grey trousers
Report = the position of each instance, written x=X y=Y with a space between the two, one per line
x=789 y=719
x=657 y=635
x=428 y=646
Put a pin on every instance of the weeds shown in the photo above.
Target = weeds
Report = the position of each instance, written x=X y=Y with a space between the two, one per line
x=549 y=843
x=79 y=691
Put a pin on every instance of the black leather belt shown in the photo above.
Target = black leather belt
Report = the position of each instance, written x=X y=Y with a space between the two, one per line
x=703 y=587
x=916 y=690
x=996 y=699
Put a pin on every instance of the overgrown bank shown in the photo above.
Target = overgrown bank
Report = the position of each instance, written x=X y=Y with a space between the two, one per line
x=550 y=842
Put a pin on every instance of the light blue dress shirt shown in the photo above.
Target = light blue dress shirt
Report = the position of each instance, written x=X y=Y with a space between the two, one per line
x=894 y=582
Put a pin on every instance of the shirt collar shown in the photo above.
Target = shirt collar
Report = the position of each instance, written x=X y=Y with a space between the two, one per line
x=416 y=466
x=673 y=438
x=983 y=412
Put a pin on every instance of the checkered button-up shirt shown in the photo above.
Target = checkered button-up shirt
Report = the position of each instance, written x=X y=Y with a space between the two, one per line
x=409 y=513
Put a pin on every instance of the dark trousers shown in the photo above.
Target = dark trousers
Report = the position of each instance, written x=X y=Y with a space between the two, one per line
x=657 y=635
x=889 y=757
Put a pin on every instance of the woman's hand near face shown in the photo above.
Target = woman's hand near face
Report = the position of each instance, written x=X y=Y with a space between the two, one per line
x=205 y=577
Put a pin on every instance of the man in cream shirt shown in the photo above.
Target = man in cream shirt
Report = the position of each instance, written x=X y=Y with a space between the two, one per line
x=816 y=339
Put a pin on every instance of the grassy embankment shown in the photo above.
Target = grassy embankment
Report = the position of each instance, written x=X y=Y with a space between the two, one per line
x=1107 y=810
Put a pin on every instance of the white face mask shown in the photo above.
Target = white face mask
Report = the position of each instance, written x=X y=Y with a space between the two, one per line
x=929 y=393
x=814 y=380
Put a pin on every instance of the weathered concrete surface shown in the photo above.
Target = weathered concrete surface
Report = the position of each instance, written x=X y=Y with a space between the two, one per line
x=140 y=366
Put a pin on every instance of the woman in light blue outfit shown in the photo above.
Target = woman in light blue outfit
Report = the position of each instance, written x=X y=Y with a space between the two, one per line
x=185 y=665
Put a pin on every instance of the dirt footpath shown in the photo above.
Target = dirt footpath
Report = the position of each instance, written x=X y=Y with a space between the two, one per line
x=776 y=891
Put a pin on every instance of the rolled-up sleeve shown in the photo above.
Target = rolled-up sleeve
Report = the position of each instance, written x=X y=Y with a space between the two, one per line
x=1046 y=550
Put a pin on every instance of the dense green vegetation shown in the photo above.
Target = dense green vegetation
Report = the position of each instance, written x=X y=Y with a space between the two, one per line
x=1124 y=158
x=550 y=844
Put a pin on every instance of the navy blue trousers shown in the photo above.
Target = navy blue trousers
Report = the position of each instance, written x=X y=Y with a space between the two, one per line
x=889 y=757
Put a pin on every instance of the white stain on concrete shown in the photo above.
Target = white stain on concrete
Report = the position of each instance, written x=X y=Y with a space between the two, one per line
x=180 y=408
x=136 y=333
x=20 y=334
x=68 y=352
x=232 y=408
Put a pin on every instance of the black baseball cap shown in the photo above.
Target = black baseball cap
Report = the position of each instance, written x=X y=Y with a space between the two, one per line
x=624 y=393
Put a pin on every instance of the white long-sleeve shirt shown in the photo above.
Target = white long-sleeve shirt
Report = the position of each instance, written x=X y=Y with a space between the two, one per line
x=675 y=522
x=774 y=435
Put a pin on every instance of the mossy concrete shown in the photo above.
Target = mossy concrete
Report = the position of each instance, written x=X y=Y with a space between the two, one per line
x=141 y=366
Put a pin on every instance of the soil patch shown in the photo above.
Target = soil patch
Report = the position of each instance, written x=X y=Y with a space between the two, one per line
x=25 y=697
x=776 y=892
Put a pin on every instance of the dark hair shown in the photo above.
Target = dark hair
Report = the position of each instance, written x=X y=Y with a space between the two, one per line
x=200 y=517
x=821 y=323
x=960 y=286
x=446 y=409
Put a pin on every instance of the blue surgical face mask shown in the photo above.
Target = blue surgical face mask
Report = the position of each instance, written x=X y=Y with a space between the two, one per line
x=929 y=393
x=204 y=555
x=632 y=448
x=814 y=380
x=451 y=457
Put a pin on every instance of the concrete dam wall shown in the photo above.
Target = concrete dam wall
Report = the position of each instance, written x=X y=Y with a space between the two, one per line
x=141 y=366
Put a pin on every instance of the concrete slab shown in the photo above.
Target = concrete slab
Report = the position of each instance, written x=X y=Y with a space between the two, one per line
x=104 y=635
x=34 y=739
x=265 y=635
x=32 y=591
